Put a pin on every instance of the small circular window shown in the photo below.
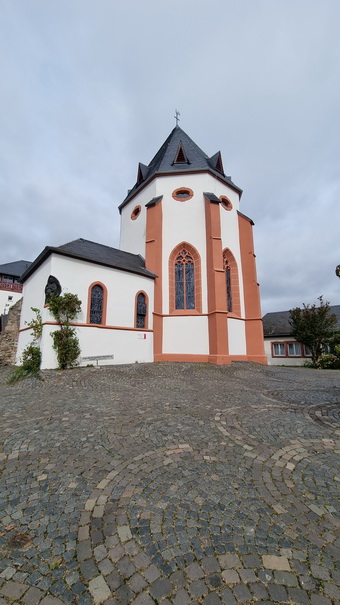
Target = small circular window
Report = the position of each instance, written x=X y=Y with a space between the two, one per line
x=135 y=212
x=225 y=203
x=183 y=194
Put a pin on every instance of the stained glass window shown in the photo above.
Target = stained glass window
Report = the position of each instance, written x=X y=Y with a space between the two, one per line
x=185 y=281
x=228 y=284
x=96 y=309
x=141 y=311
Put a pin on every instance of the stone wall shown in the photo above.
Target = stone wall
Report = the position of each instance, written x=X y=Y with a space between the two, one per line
x=9 y=337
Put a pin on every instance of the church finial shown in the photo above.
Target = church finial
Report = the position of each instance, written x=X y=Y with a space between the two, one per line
x=176 y=116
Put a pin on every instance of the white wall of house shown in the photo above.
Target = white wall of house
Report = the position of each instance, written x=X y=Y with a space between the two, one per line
x=231 y=237
x=183 y=221
x=185 y=335
x=8 y=298
x=119 y=338
x=282 y=361
x=237 y=337
x=132 y=232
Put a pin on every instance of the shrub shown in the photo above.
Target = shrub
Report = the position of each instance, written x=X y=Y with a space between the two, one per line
x=65 y=341
x=66 y=345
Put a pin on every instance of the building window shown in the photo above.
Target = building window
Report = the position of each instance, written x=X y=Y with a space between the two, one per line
x=306 y=351
x=279 y=349
x=185 y=279
x=183 y=194
x=294 y=349
x=141 y=311
x=225 y=203
x=135 y=212
x=97 y=300
x=232 y=283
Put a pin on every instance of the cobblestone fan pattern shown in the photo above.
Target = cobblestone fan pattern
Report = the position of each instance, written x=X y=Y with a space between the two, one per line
x=171 y=483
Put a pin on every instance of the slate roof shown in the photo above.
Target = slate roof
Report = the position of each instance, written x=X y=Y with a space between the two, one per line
x=179 y=145
x=277 y=324
x=99 y=254
x=16 y=268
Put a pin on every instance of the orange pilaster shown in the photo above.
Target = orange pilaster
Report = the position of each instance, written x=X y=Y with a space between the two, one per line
x=153 y=262
x=254 y=329
x=217 y=302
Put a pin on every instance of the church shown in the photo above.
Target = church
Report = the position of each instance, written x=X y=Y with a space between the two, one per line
x=181 y=287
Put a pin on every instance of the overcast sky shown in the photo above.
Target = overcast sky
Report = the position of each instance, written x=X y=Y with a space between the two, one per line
x=88 y=89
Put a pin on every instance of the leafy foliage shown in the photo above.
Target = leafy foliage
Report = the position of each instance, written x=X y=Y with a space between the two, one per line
x=66 y=345
x=65 y=341
x=313 y=325
x=31 y=355
x=65 y=308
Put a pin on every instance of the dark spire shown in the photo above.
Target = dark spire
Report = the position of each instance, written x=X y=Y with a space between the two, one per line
x=179 y=153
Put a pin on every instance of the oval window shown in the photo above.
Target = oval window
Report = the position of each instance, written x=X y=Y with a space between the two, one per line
x=183 y=194
x=135 y=212
x=225 y=203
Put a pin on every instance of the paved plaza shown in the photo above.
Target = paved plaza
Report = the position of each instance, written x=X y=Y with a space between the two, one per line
x=173 y=483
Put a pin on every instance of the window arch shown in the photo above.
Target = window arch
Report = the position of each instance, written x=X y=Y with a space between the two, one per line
x=141 y=310
x=96 y=307
x=231 y=282
x=185 y=286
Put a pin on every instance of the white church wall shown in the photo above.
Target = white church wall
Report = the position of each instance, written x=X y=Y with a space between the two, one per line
x=184 y=221
x=237 y=337
x=33 y=296
x=230 y=239
x=132 y=232
x=186 y=335
x=76 y=276
x=123 y=345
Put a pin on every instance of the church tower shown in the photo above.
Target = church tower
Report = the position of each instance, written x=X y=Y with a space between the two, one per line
x=183 y=217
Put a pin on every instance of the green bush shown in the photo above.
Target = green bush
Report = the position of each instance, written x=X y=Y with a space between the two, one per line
x=329 y=362
x=31 y=359
x=65 y=341
x=66 y=345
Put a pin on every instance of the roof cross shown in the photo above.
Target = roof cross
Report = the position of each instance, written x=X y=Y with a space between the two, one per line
x=176 y=116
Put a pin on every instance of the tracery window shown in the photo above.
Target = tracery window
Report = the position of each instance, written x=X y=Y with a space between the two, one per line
x=141 y=311
x=96 y=305
x=185 y=282
x=228 y=285
x=231 y=283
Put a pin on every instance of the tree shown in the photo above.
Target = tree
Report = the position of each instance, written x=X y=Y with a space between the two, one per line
x=313 y=325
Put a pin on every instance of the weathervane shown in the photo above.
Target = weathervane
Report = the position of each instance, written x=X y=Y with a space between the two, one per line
x=176 y=116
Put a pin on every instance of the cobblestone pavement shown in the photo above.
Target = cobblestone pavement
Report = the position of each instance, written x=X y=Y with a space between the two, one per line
x=181 y=483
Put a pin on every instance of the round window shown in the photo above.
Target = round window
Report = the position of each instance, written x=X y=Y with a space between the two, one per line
x=183 y=194
x=135 y=212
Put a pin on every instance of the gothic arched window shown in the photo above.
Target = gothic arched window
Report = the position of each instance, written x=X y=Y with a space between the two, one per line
x=141 y=311
x=185 y=279
x=232 y=283
x=97 y=304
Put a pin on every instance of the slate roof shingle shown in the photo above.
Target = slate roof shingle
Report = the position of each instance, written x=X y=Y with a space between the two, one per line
x=277 y=323
x=164 y=162
x=99 y=254
x=15 y=269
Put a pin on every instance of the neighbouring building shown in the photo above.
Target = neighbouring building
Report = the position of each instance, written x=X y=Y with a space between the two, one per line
x=182 y=286
x=281 y=348
x=10 y=286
